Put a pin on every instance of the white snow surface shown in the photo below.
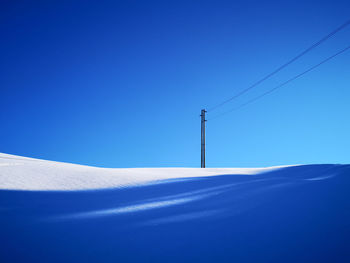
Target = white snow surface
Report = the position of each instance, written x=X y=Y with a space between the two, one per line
x=22 y=173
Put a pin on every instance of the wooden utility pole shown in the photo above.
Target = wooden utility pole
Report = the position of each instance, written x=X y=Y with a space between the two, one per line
x=203 y=120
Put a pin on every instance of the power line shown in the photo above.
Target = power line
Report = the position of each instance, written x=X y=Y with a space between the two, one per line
x=282 y=84
x=282 y=67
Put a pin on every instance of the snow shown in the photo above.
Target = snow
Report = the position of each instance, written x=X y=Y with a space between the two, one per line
x=21 y=173
x=58 y=212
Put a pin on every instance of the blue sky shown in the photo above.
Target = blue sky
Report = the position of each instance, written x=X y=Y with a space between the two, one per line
x=122 y=83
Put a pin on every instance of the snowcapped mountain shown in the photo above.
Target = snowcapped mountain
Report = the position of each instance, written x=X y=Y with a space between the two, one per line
x=58 y=212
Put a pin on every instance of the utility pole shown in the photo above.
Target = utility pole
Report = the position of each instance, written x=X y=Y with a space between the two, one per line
x=203 y=120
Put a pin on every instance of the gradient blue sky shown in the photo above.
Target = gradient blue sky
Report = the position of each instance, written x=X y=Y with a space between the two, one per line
x=122 y=83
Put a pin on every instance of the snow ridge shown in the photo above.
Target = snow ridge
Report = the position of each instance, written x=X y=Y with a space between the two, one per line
x=22 y=173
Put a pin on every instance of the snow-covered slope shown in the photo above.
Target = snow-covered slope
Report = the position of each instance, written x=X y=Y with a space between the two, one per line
x=21 y=173
x=285 y=214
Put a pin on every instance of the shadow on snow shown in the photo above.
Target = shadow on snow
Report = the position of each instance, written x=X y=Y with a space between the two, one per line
x=299 y=213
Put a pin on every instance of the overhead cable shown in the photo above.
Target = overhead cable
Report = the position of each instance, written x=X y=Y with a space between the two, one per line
x=323 y=39
x=282 y=84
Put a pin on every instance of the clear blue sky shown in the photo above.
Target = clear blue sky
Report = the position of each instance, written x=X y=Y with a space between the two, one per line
x=122 y=83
